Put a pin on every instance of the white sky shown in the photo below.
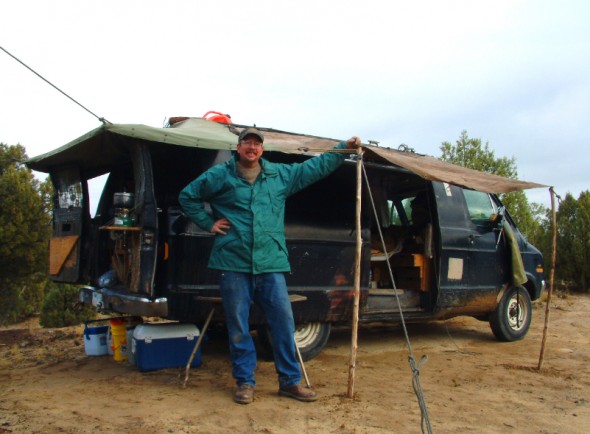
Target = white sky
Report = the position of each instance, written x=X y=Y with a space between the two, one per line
x=513 y=73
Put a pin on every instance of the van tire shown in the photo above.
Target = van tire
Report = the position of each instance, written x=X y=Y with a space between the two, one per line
x=512 y=318
x=311 y=338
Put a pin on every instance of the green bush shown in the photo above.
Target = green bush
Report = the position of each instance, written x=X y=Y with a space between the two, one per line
x=20 y=298
x=61 y=307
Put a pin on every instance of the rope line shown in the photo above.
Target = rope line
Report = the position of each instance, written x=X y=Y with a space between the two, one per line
x=425 y=419
x=101 y=119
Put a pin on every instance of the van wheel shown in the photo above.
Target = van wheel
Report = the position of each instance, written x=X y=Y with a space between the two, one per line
x=311 y=338
x=512 y=318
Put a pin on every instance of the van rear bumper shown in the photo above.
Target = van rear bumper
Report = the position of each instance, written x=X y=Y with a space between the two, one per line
x=105 y=299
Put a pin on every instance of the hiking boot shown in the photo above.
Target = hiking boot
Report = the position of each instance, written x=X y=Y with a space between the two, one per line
x=244 y=394
x=299 y=393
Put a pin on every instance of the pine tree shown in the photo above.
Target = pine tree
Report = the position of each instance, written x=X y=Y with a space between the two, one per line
x=24 y=234
x=471 y=153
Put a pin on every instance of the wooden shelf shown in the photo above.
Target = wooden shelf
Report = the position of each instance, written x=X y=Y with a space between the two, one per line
x=120 y=228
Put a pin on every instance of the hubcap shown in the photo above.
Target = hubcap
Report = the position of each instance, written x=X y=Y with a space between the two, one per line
x=517 y=313
x=307 y=334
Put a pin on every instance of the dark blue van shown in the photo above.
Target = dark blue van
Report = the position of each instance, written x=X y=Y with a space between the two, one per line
x=433 y=246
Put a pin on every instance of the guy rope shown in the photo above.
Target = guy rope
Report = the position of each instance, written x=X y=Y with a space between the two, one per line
x=425 y=422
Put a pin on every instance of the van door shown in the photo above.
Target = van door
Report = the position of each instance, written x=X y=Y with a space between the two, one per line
x=454 y=244
x=472 y=266
x=143 y=273
x=65 y=242
x=488 y=258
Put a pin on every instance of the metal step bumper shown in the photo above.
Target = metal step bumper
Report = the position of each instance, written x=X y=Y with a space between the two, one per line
x=109 y=300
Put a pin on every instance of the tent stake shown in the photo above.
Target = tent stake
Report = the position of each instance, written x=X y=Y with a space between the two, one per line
x=357 y=276
x=551 y=277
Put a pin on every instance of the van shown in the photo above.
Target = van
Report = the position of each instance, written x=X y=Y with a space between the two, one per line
x=436 y=243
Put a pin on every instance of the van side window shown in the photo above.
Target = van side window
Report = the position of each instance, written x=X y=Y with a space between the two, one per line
x=396 y=217
x=480 y=206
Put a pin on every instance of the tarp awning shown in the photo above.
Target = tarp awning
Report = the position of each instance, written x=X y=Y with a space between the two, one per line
x=437 y=170
x=97 y=146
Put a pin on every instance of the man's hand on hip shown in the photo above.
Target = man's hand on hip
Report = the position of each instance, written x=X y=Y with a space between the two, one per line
x=221 y=226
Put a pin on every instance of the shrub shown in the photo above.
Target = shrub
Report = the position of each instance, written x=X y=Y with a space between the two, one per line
x=61 y=307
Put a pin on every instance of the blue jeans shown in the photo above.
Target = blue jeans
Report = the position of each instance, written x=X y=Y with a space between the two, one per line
x=269 y=292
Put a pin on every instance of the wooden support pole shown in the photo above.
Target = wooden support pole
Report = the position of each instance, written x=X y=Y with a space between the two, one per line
x=357 y=276
x=551 y=277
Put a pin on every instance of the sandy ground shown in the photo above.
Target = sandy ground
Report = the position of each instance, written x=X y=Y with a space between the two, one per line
x=471 y=383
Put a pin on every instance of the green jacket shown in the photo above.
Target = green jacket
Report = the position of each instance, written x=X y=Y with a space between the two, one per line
x=255 y=243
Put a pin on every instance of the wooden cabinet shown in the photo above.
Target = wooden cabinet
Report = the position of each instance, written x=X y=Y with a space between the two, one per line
x=410 y=271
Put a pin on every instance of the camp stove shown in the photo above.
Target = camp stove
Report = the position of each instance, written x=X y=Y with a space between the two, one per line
x=123 y=203
x=123 y=217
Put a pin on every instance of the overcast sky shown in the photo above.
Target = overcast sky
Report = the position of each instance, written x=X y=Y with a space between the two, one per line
x=515 y=74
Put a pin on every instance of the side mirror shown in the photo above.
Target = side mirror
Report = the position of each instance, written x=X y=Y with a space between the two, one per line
x=498 y=218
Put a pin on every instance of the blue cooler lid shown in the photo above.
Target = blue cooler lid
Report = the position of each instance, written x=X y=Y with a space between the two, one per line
x=97 y=330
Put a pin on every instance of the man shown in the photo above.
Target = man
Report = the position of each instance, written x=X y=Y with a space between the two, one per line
x=247 y=195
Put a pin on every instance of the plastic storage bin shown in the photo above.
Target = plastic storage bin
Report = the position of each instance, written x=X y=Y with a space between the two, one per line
x=167 y=345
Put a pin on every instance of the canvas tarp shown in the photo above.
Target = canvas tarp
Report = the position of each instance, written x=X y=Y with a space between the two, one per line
x=94 y=150
x=437 y=170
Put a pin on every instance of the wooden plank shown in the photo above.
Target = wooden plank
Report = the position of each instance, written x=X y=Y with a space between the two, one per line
x=134 y=263
x=59 y=250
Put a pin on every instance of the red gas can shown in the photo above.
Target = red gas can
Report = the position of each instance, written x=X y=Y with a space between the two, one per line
x=217 y=117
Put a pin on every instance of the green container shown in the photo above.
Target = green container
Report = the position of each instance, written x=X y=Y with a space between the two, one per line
x=123 y=221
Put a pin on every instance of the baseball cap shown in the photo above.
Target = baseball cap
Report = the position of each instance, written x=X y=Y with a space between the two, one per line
x=251 y=132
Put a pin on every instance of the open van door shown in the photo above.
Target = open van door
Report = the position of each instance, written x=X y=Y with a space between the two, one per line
x=473 y=266
x=454 y=243
x=68 y=216
x=488 y=268
x=128 y=231
x=147 y=216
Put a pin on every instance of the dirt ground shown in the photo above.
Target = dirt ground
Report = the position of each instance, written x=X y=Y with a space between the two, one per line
x=471 y=383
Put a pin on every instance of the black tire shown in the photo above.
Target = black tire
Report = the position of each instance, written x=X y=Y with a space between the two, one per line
x=512 y=318
x=311 y=338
